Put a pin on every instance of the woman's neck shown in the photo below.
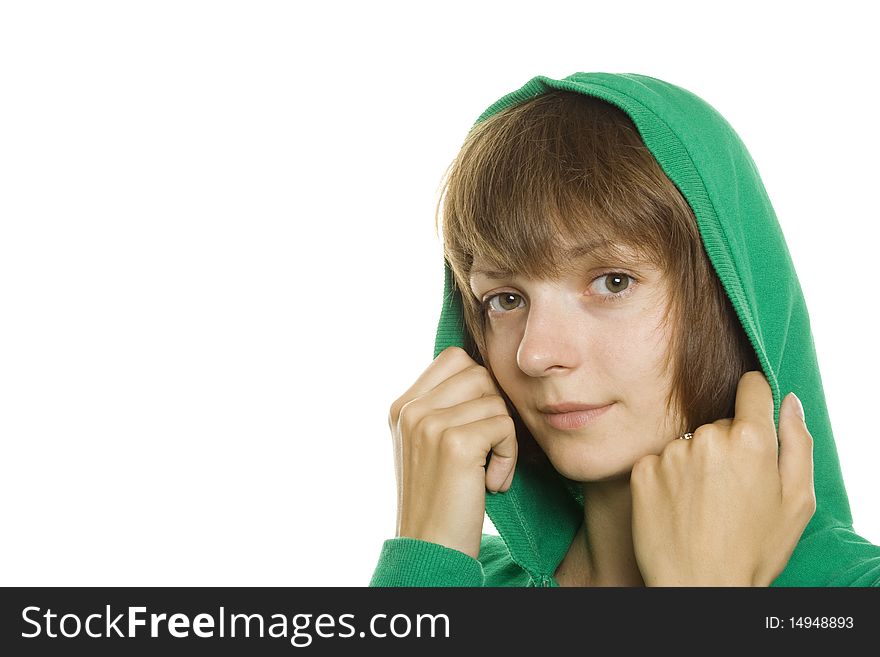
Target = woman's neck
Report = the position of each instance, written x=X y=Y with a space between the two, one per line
x=602 y=553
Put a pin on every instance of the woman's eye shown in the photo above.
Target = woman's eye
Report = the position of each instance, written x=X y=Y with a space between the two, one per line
x=504 y=302
x=615 y=282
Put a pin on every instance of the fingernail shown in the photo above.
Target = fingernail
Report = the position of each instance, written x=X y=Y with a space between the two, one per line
x=798 y=406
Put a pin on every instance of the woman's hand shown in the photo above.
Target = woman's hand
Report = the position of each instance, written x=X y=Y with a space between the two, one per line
x=719 y=510
x=443 y=429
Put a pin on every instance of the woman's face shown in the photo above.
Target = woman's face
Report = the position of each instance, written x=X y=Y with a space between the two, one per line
x=594 y=337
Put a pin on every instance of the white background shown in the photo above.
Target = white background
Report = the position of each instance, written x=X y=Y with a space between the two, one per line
x=218 y=264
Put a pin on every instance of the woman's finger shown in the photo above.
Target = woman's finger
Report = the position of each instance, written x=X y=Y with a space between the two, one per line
x=795 y=453
x=754 y=405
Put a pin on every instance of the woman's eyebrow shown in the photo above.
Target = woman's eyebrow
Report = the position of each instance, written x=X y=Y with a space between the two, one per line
x=573 y=253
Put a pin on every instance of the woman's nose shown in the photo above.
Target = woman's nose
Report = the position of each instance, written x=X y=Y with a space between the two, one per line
x=550 y=340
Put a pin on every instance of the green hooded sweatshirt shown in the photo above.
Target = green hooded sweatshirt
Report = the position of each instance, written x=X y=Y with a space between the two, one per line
x=538 y=516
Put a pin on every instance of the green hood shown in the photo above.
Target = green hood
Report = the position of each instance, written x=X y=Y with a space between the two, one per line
x=537 y=518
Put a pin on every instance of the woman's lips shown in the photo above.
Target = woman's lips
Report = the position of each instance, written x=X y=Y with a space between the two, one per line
x=574 y=419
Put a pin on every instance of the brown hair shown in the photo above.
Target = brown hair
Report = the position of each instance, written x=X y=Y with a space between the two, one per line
x=566 y=166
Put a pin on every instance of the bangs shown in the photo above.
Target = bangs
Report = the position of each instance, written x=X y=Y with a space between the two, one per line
x=525 y=191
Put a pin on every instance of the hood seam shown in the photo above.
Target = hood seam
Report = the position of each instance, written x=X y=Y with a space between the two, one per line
x=531 y=540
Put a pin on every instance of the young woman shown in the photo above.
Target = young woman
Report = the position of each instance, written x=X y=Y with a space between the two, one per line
x=621 y=327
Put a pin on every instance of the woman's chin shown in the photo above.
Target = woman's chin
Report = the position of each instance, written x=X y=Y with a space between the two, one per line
x=586 y=467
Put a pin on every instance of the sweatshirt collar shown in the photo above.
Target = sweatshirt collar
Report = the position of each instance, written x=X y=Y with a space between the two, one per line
x=538 y=517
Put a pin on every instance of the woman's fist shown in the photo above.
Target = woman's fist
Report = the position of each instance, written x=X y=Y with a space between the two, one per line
x=443 y=429
x=721 y=508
